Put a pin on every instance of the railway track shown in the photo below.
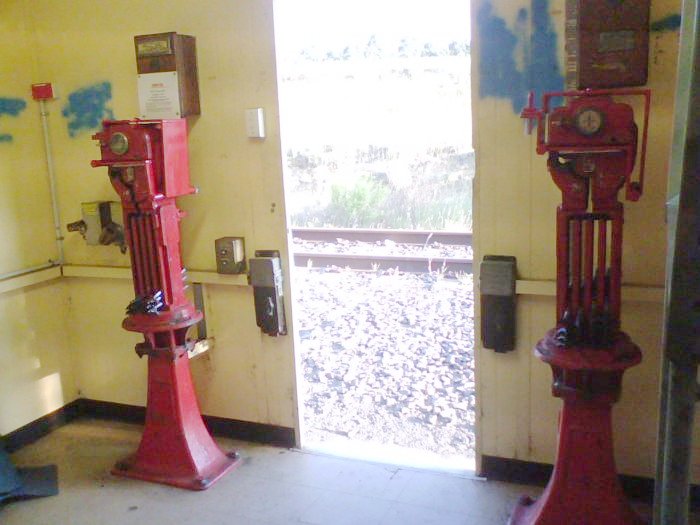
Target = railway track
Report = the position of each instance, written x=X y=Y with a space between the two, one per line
x=374 y=235
x=372 y=261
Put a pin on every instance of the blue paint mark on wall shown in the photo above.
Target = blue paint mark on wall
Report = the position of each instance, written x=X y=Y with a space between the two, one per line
x=668 y=23
x=11 y=107
x=499 y=74
x=521 y=30
x=543 y=67
x=522 y=15
x=87 y=107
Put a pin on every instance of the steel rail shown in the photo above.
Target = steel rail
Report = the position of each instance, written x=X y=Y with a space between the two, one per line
x=404 y=263
x=377 y=235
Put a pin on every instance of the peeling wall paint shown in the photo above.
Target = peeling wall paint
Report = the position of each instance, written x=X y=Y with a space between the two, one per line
x=668 y=23
x=499 y=72
x=11 y=107
x=499 y=76
x=87 y=107
x=543 y=67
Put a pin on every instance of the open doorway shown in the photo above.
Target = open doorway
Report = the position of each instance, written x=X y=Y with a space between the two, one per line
x=376 y=134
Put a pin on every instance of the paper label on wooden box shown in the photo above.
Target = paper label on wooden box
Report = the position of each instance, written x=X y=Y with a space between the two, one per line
x=159 y=95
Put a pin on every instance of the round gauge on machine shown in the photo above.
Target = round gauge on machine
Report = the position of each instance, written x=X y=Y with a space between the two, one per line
x=118 y=143
x=589 y=121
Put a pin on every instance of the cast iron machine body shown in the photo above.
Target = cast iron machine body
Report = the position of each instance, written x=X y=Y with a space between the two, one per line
x=148 y=166
x=591 y=143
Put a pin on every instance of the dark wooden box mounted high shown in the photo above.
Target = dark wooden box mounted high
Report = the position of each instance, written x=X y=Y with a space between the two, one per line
x=164 y=52
x=607 y=43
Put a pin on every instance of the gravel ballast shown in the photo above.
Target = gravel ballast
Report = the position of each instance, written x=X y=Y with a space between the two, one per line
x=387 y=357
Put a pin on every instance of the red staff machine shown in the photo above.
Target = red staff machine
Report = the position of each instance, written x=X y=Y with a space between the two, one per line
x=591 y=143
x=148 y=167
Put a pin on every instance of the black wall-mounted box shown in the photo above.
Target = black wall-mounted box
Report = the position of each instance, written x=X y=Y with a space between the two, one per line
x=497 y=277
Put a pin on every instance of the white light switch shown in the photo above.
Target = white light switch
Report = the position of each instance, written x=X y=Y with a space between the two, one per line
x=255 y=123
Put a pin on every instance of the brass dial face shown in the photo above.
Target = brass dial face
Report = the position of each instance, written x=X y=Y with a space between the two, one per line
x=118 y=143
x=589 y=121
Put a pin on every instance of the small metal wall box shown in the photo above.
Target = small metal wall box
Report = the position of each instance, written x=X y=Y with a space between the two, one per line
x=43 y=91
x=167 y=75
x=102 y=224
x=268 y=289
x=607 y=43
x=497 y=285
x=230 y=255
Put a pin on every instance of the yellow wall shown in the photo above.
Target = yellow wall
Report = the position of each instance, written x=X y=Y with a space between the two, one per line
x=81 y=43
x=36 y=372
x=515 y=203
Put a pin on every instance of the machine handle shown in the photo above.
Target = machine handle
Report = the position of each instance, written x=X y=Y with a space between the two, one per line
x=121 y=164
x=634 y=189
x=534 y=117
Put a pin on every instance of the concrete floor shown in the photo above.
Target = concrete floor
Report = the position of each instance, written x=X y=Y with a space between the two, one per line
x=274 y=486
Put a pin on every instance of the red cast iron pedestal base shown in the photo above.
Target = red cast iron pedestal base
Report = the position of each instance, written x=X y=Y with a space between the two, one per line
x=176 y=448
x=584 y=488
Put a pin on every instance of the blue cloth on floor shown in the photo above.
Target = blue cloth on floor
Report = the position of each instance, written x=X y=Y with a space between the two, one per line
x=21 y=483
x=9 y=477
